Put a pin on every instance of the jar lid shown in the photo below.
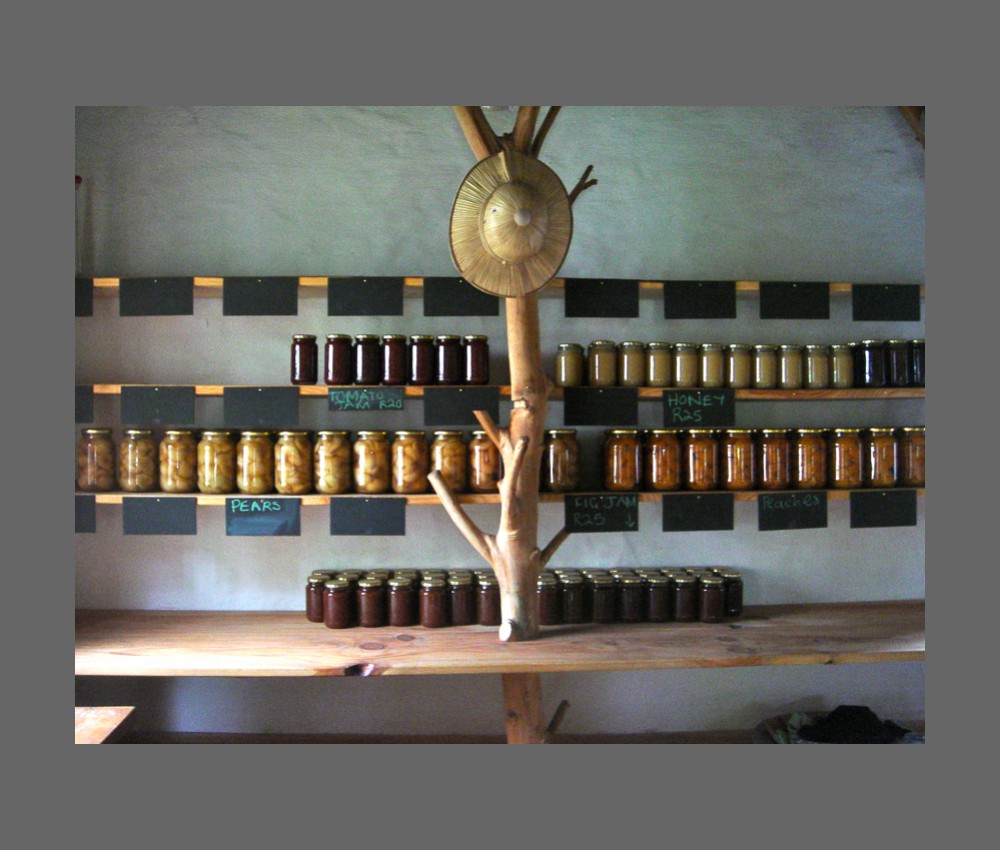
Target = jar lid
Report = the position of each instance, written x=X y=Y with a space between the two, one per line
x=480 y=433
x=765 y=347
x=319 y=578
x=631 y=580
x=217 y=433
x=561 y=432
x=432 y=582
x=602 y=579
x=623 y=432
x=774 y=432
x=459 y=581
x=293 y=433
x=816 y=347
x=421 y=337
x=839 y=346
x=739 y=430
x=433 y=573
x=740 y=346
x=569 y=346
x=712 y=346
x=871 y=342
x=659 y=345
x=449 y=433
x=350 y=574
x=914 y=429
x=790 y=346
x=337 y=584
x=683 y=578
x=324 y=573
x=139 y=432
x=332 y=433
x=701 y=432
x=632 y=344
x=603 y=343
x=880 y=432
x=376 y=434
x=679 y=345
x=255 y=434
x=178 y=432
x=489 y=581
x=394 y=337
x=570 y=578
x=304 y=337
x=409 y=434
x=447 y=337
x=658 y=580
x=895 y=342
x=712 y=581
x=377 y=573
x=475 y=337
x=370 y=583
x=810 y=430
x=546 y=578
x=916 y=342
x=846 y=430
x=339 y=337
x=729 y=574
x=400 y=581
x=663 y=432
x=366 y=337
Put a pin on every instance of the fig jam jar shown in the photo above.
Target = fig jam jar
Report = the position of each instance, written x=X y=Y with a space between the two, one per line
x=433 y=603
x=338 y=604
x=488 y=601
x=402 y=602
x=371 y=603
x=549 y=609
x=315 y=590
x=462 y=600
x=712 y=599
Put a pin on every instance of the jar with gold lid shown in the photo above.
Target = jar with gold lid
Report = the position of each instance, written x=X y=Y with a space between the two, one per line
x=402 y=601
x=765 y=367
x=662 y=454
x=371 y=600
x=622 y=452
x=561 y=461
x=701 y=459
x=179 y=461
x=422 y=360
x=332 y=469
x=395 y=348
x=304 y=359
x=898 y=363
x=911 y=456
x=712 y=365
x=738 y=459
x=809 y=452
x=602 y=363
x=880 y=457
x=293 y=463
x=137 y=461
x=315 y=590
x=255 y=463
x=476 y=359
x=484 y=464
x=367 y=353
x=687 y=365
x=774 y=454
x=918 y=352
x=216 y=453
x=686 y=602
x=712 y=599
x=632 y=364
x=870 y=363
x=739 y=371
x=339 y=604
x=817 y=367
x=488 y=601
x=338 y=365
x=409 y=462
x=844 y=451
x=632 y=600
x=570 y=365
x=372 y=462
x=841 y=366
x=449 y=456
x=659 y=364
x=790 y=367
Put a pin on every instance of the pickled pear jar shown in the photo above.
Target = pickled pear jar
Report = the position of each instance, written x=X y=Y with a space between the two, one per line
x=774 y=458
x=216 y=462
x=450 y=457
x=701 y=460
x=570 y=365
x=911 y=456
x=739 y=370
x=844 y=450
x=662 y=456
x=254 y=463
x=738 y=459
x=622 y=452
x=484 y=464
x=602 y=363
x=409 y=462
x=332 y=470
x=372 y=462
x=293 y=463
x=631 y=364
x=137 y=462
x=561 y=461
x=95 y=460
x=687 y=365
x=809 y=465
x=880 y=457
x=179 y=462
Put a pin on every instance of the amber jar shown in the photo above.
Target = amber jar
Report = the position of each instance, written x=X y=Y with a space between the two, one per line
x=372 y=462
x=687 y=365
x=573 y=602
x=739 y=371
x=632 y=364
x=332 y=469
x=409 y=462
x=338 y=365
x=662 y=459
x=817 y=367
x=367 y=359
x=911 y=456
x=659 y=599
x=447 y=359
x=844 y=450
x=449 y=456
x=712 y=599
x=569 y=365
x=659 y=364
x=137 y=462
x=338 y=604
x=712 y=365
x=898 y=362
x=739 y=462
x=305 y=359
x=686 y=603
x=604 y=599
x=216 y=453
x=371 y=603
x=484 y=464
x=632 y=600
x=701 y=460
x=774 y=459
x=315 y=590
x=917 y=354
x=602 y=363
x=402 y=602
x=765 y=367
x=462 y=600
x=869 y=363
x=841 y=366
x=879 y=458
x=561 y=461
x=254 y=463
x=422 y=360
x=790 y=367
x=382 y=575
x=733 y=587
x=179 y=462
x=488 y=602
x=809 y=452
x=433 y=603
x=96 y=460
x=476 y=351
x=622 y=460
x=549 y=609
x=394 y=349
x=293 y=463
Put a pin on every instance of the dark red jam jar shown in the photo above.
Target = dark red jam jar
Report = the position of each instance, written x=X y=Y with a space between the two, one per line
x=394 y=350
x=338 y=365
x=631 y=600
x=870 y=363
x=315 y=588
x=734 y=592
x=604 y=594
x=433 y=603
x=462 y=600
x=917 y=351
x=338 y=604
x=422 y=360
x=712 y=602
x=488 y=602
x=574 y=599
x=549 y=610
x=899 y=363
x=304 y=359
x=367 y=359
x=476 y=351
x=402 y=602
x=371 y=603
x=686 y=608
x=660 y=599
x=448 y=359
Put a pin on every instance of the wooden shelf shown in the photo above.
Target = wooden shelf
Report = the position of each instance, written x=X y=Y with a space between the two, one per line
x=226 y=643
x=101 y=724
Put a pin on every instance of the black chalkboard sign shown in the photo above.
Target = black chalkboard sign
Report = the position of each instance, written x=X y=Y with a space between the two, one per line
x=596 y=512
x=699 y=299
x=364 y=296
x=378 y=516
x=84 y=296
x=260 y=296
x=455 y=405
x=697 y=408
x=455 y=296
x=698 y=511
x=84 y=403
x=262 y=516
x=884 y=302
x=157 y=405
x=86 y=514
x=156 y=296
x=794 y=300
x=883 y=508
x=366 y=398
x=597 y=298
x=790 y=511
x=260 y=407
x=612 y=406
x=159 y=515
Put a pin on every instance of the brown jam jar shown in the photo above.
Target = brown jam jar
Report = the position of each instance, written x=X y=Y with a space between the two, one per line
x=774 y=459
x=791 y=367
x=898 y=362
x=216 y=462
x=305 y=360
x=733 y=588
x=367 y=359
x=447 y=359
x=179 y=462
x=765 y=367
x=484 y=464
x=622 y=460
x=450 y=457
x=879 y=458
x=433 y=603
x=817 y=367
x=315 y=590
x=338 y=360
x=476 y=350
x=332 y=470
x=632 y=600
x=686 y=606
x=372 y=462
x=488 y=602
x=394 y=349
x=570 y=365
x=561 y=461
x=870 y=363
x=701 y=460
x=602 y=363
x=739 y=368
x=604 y=599
x=712 y=365
x=422 y=360
x=662 y=455
x=138 y=467
x=809 y=452
x=911 y=456
x=371 y=603
x=293 y=463
x=687 y=365
x=917 y=353
x=402 y=602
x=659 y=364
x=338 y=604
x=660 y=599
x=381 y=575
x=844 y=449
x=573 y=598
x=739 y=461
x=549 y=609
x=409 y=462
x=462 y=600
x=841 y=366
x=632 y=364
x=712 y=599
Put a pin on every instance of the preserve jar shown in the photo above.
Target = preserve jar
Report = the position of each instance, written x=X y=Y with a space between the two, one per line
x=433 y=603
x=817 y=367
x=216 y=462
x=561 y=461
x=338 y=604
x=484 y=464
x=765 y=367
x=402 y=602
x=632 y=600
x=372 y=462
x=632 y=364
x=254 y=463
x=367 y=359
x=549 y=610
x=603 y=599
x=394 y=349
x=569 y=365
x=137 y=461
x=422 y=360
x=712 y=365
x=433 y=573
x=869 y=363
x=488 y=601
x=573 y=598
x=686 y=603
x=293 y=463
x=602 y=363
x=844 y=450
x=449 y=456
x=338 y=360
x=371 y=603
x=701 y=460
x=305 y=359
x=687 y=365
x=774 y=459
x=96 y=460
x=739 y=462
x=712 y=599
x=622 y=460
x=790 y=367
x=841 y=366
x=659 y=599
x=332 y=469
x=662 y=455
x=476 y=349
x=409 y=462
x=898 y=362
x=381 y=575
x=659 y=364
x=733 y=589
x=879 y=458
x=447 y=359
x=315 y=590
x=917 y=351
x=462 y=600
x=809 y=452
x=911 y=456
x=179 y=462
x=739 y=372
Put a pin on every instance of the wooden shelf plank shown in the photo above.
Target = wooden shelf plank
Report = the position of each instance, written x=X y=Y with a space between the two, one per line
x=99 y=724
x=283 y=643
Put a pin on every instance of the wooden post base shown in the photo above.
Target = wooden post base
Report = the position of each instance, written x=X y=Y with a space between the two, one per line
x=522 y=698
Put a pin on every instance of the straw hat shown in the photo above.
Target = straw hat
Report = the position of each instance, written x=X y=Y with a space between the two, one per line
x=511 y=225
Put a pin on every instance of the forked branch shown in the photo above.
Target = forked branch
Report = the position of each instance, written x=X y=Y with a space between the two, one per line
x=543 y=131
x=479 y=540
x=477 y=130
x=554 y=543
x=582 y=184
x=493 y=431
x=524 y=128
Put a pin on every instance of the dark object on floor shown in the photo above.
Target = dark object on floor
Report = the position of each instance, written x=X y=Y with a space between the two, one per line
x=852 y=724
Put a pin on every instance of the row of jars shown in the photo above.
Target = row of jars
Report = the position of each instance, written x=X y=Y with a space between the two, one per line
x=763 y=459
x=392 y=359
x=869 y=363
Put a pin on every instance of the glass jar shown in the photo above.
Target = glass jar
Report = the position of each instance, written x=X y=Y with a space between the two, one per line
x=712 y=599
x=911 y=456
x=733 y=589
x=765 y=367
x=338 y=604
x=449 y=456
x=841 y=366
x=569 y=365
x=701 y=460
x=869 y=363
x=817 y=367
x=338 y=360
x=917 y=352
x=315 y=590
x=476 y=349
x=96 y=460
x=423 y=364
x=712 y=365
x=293 y=463
x=462 y=600
x=662 y=455
x=484 y=464
x=686 y=602
x=332 y=469
x=216 y=462
x=367 y=359
x=549 y=610
x=305 y=359
x=774 y=457
x=254 y=463
x=622 y=460
x=632 y=364
x=561 y=461
x=604 y=599
x=602 y=363
x=573 y=601
x=899 y=363
x=488 y=601
x=409 y=462
x=371 y=603
x=739 y=371
x=394 y=371
x=179 y=462
x=739 y=462
x=659 y=599
x=433 y=603
x=137 y=462
x=844 y=449
x=659 y=364
x=809 y=450
x=372 y=462
x=447 y=359
x=687 y=365
x=402 y=602
x=879 y=458
x=790 y=367
x=632 y=600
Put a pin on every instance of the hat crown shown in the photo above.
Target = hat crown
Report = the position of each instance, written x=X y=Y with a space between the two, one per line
x=515 y=221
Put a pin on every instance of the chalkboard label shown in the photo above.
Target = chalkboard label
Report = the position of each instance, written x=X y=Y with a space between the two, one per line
x=380 y=516
x=597 y=298
x=260 y=407
x=884 y=302
x=612 y=406
x=84 y=403
x=883 y=508
x=156 y=296
x=260 y=296
x=84 y=296
x=259 y=516
x=367 y=398
x=157 y=405
x=692 y=408
x=364 y=296
x=698 y=511
x=699 y=299
x=455 y=296
x=86 y=514
x=790 y=511
x=455 y=405
x=602 y=512
x=781 y=300
x=152 y=515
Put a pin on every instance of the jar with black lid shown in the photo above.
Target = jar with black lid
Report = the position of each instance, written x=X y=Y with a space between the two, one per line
x=371 y=603
x=701 y=460
x=549 y=609
x=315 y=590
x=423 y=364
x=604 y=599
x=367 y=359
x=488 y=601
x=573 y=600
x=632 y=600
x=462 y=600
x=476 y=349
x=305 y=359
x=774 y=455
x=338 y=357
x=899 y=363
x=570 y=365
x=712 y=604
x=561 y=461
x=660 y=599
x=917 y=351
x=448 y=359
x=662 y=459
x=870 y=363
x=402 y=602
x=394 y=371
x=911 y=456
x=622 y=452
x=338 y=604
x=138 y=467
x=686 y=607
x=433 y=603
x=733 y=588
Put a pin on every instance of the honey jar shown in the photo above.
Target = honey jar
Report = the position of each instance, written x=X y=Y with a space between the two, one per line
x=659 y=364
x=790 y=367
x=712 y=365
x=739 y=372
x=841 y=366
x=687 y=365
x=569 y=365
x=602 y=363
x=765 y=367
x=632 y=364
x=817 y=367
